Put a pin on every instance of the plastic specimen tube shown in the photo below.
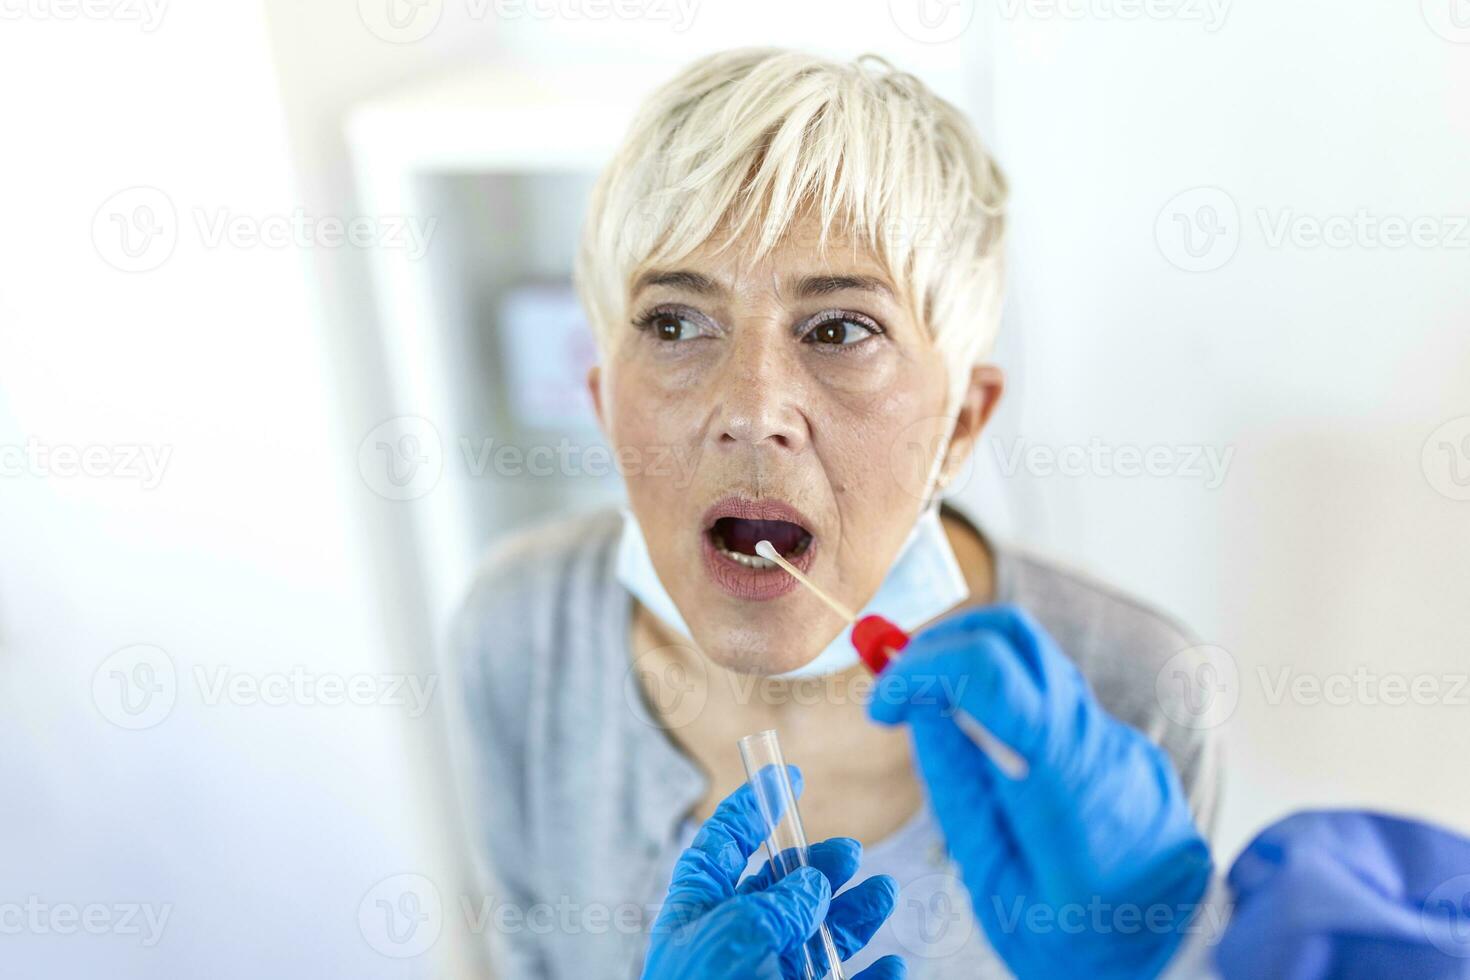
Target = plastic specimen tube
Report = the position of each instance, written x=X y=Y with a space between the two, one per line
x=786 y=845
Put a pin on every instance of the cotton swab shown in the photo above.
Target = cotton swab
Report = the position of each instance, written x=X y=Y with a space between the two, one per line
x=768 y=551
x=877 y=640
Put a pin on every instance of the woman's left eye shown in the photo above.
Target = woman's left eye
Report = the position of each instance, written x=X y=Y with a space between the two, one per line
x=839 y=332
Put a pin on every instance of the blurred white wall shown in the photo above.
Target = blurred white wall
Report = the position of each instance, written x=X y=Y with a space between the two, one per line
x=1330 y=549
x=211 y=803
x=1326 y=378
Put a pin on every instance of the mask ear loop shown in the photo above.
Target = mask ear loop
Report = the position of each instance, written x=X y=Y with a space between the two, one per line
x=934 y=482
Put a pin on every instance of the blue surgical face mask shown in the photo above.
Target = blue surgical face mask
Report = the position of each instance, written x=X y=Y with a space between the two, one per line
x=924 y=581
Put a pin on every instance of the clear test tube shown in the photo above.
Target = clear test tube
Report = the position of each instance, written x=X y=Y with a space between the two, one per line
x=786 y=844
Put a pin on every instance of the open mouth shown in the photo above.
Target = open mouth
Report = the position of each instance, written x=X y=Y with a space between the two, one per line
x=736 y=538
x=732 y=529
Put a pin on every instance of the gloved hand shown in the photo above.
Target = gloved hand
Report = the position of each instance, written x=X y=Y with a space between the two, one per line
x=1351 y=896
x=714 y=929
x=1091 y=866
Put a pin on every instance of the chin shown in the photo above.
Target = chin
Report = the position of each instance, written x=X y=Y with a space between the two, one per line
x=747 y=650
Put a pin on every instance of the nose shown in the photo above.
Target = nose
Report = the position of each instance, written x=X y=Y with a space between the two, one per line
x=759 y=392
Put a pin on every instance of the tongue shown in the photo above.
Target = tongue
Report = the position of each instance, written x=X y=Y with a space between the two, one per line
x=741 y=535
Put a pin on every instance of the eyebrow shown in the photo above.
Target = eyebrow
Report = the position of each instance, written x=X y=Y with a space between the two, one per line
x=691 y=282
x=822 y=285
x=805 y=288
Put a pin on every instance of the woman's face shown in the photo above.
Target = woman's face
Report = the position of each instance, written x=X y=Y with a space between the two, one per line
x=794 y=400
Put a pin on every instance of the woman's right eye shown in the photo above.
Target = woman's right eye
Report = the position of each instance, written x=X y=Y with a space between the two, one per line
x=670 y=326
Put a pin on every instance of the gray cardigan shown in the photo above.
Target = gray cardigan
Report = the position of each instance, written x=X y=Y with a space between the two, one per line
x=576 y=795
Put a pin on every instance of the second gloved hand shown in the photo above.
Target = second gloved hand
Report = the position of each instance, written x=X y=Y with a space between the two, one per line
x=712 y=928
x=1089 y=867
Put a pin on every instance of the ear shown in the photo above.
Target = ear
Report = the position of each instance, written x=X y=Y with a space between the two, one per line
x=977 y=404
x=594 y=388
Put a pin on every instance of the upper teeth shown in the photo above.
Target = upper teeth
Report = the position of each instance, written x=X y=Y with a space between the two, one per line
x=749 y=561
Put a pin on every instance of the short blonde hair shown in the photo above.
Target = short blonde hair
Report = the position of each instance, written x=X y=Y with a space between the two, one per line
x=741 y=142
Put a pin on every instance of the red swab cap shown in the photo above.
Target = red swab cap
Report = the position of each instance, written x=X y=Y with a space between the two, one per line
x=876 y=640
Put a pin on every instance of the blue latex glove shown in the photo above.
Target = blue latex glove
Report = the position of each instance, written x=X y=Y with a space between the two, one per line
x=1064 y=867
x=714 y=929
x=1351 y=896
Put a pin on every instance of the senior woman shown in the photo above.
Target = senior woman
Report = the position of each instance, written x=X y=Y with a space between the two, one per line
x=793 y=268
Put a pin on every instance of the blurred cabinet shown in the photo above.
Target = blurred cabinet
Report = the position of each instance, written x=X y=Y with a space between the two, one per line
x=483 y=337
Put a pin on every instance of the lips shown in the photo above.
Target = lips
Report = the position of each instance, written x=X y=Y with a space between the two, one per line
x=731 y=529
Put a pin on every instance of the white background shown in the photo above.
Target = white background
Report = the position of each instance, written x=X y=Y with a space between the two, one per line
x=1334 y=542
